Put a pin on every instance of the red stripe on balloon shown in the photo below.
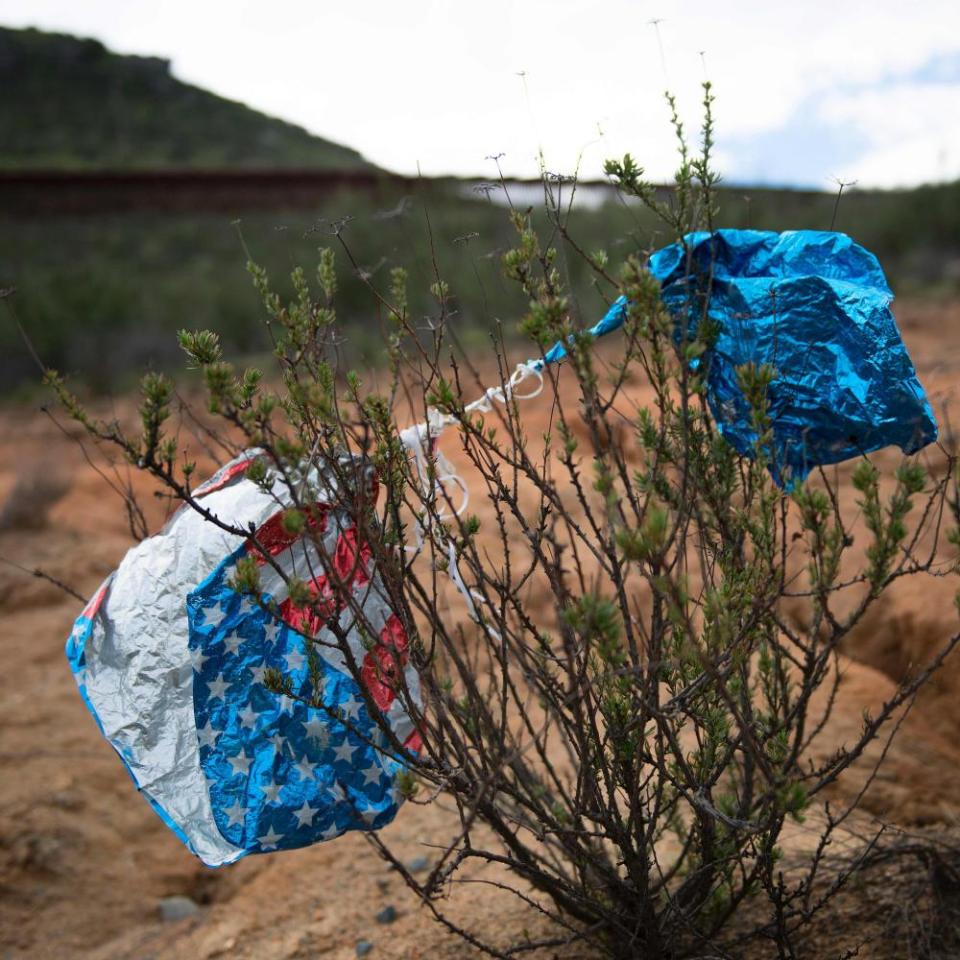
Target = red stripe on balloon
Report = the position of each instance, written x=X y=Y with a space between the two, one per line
x=350 y=563
x=96 y=601
x=352 y=568
x=383 y=665
x=273 y=537
x=229 y=473
x=311 y=618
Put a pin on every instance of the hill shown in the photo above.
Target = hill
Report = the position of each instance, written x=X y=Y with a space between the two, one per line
x=138 y=239
x=70 y=103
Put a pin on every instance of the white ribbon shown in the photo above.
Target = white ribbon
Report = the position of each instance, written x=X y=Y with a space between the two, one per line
x=417 y=439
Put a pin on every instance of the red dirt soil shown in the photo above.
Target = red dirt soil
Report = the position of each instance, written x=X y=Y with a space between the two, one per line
x=84 y=861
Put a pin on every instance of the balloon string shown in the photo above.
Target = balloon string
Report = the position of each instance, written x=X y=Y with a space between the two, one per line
x=436 y=475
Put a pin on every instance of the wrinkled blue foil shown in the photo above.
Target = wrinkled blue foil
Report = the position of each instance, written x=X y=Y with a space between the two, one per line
x=282 y=774
x=814 y=305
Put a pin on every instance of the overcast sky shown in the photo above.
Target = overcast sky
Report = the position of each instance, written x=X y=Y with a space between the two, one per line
x=807 y=90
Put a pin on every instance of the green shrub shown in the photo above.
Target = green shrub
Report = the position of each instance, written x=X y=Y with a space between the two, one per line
x=626 y=727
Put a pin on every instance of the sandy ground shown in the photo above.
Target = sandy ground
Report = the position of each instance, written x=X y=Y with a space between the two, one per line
x=84 y=862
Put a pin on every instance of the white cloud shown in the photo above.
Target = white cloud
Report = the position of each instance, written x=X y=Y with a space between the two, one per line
x=435 y=83
x=909 y=132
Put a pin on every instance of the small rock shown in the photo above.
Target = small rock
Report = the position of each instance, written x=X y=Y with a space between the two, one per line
x=363 y=947
x=67 y=800
x=387 y=915
x=41 y=851
x=418 y=864
x=177 y=908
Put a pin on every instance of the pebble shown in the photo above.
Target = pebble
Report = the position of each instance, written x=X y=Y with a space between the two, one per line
x=388 y=914
x=418 y=864
x=177 y=908
x=67 y=800
x=363 y=947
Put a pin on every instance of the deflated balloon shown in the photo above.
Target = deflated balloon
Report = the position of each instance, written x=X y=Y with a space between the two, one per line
x=815 y=306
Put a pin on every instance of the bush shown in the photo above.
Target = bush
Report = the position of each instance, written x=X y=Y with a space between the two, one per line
x=635 y=752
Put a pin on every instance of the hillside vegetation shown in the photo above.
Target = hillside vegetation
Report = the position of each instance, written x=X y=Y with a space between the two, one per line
x=101 y=295
x=70 y=103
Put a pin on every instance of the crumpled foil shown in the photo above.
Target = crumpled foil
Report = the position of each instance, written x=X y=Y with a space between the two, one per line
x=814 y=305
x=195 y=726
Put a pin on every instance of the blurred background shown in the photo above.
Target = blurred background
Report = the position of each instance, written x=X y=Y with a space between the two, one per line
x=145 y=147
x=144 y=144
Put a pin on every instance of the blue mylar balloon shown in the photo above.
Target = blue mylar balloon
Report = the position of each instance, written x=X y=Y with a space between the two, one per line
x=814 y=305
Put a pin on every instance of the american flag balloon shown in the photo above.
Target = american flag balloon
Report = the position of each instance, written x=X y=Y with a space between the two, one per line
x=171 y=660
